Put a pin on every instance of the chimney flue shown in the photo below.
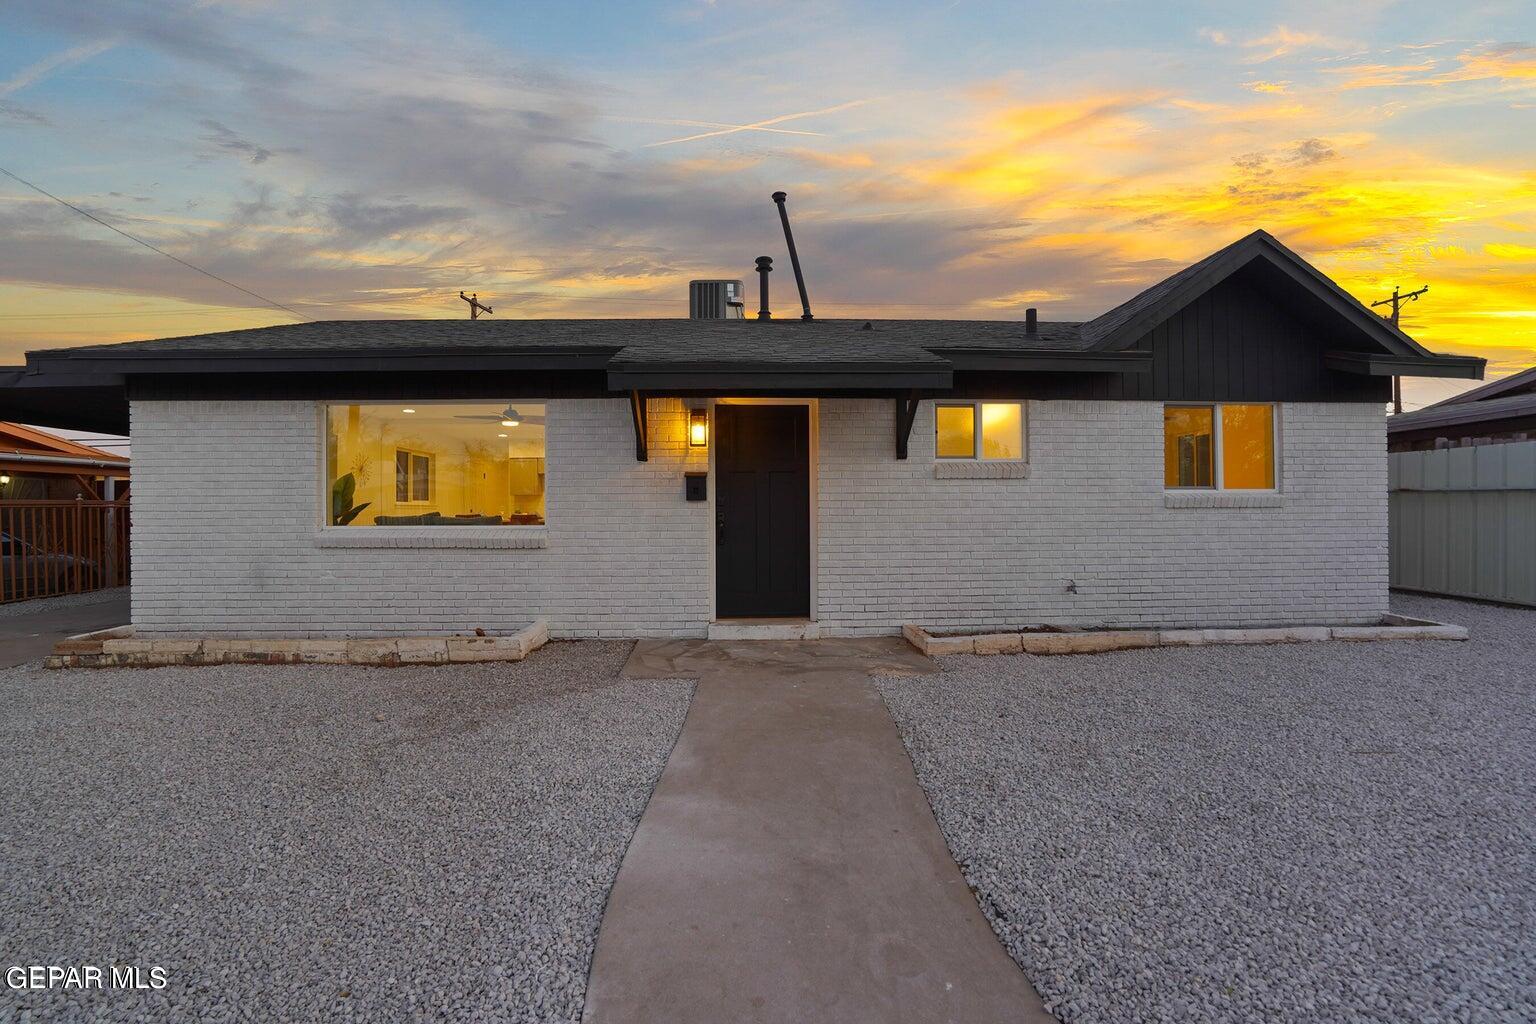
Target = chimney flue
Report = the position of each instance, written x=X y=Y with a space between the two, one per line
x=764 y=268
x=1031 y=325
x=794 y=257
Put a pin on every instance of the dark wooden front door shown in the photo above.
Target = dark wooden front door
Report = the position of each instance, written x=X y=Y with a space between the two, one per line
x=763 y=510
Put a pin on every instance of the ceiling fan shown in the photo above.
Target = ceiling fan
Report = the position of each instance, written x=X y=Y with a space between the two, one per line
x=508 y=417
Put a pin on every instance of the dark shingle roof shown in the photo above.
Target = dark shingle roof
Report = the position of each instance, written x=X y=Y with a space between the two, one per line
x=1515 y=384
x=650 y=341
x=1446 y=415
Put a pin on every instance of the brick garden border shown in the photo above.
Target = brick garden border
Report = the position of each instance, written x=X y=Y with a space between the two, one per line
x=1065 y=640
x=118 y=648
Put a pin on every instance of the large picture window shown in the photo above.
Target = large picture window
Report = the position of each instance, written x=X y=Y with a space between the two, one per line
x=1226 y=446
x=435 y=464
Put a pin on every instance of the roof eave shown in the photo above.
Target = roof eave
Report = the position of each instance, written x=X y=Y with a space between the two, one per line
x=1049 y=361
x=779 y=378
x=1381 y=365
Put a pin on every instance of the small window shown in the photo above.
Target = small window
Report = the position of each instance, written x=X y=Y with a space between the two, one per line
x=413 y=477
x=1224 y=446
x=979 y=430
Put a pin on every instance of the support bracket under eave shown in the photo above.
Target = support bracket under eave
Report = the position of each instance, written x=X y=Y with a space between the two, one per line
x=906 y=414
x=637 y=410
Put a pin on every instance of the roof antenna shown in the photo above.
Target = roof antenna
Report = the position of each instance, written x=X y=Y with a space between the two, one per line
x=1397 y=305
x=475 y=306
x=794 y=258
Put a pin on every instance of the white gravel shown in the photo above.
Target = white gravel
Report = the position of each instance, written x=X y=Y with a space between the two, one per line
x=1331 y=832
x=324 y=843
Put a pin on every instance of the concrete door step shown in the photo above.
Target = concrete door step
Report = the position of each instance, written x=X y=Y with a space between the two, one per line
x=764 y=629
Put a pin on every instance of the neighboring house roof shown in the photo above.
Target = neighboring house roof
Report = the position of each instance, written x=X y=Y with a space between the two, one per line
x=874 y=356
x=24 y=448
x=1448 y=414
x=1495 y=406
x=1523 y=382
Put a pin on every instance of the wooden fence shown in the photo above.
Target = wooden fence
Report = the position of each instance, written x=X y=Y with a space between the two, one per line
x=1463 y=521
x=61 y=547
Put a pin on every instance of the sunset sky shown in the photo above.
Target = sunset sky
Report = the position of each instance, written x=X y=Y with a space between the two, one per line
x=945 y=160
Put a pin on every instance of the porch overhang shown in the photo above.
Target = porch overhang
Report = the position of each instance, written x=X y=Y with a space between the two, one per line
x=737 y=378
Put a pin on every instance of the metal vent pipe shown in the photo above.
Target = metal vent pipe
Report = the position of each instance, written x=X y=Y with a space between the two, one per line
x=794 y=257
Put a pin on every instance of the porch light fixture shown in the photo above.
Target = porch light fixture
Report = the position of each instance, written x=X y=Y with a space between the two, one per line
x=698 y=428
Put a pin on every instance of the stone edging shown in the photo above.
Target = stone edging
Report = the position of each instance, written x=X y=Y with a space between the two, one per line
x=110 y=648
x=1063 y=640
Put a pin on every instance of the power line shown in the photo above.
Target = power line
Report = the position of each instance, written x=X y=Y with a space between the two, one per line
x=153 y=248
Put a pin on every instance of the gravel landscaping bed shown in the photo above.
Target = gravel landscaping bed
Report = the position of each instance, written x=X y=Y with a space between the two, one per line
x=1339 y=831
x=306 y=843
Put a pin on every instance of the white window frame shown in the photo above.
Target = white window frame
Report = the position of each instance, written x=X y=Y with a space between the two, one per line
x=412 y=455
x=1218 y=474
x=977 y=454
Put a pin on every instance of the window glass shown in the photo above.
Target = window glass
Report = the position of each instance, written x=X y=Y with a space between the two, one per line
x=1248 y=447
x=435 y=464
x=1188 y=443
x=956 y=426
x=1002 y=430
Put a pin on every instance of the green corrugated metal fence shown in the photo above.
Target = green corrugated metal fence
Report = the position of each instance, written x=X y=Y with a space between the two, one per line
x=1463 y=521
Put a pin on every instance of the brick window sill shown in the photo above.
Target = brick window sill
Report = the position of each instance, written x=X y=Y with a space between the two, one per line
x=967 y=470
x=432 y=537
x=1221 y=499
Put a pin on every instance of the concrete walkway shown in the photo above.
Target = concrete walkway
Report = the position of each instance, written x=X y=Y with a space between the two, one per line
x=788 y=867
x=28 y=633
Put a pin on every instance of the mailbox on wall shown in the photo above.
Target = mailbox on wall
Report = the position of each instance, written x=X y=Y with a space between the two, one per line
x=695 y=486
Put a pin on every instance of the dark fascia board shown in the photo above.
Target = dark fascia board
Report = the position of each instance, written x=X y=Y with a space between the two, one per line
x=683 y=378
x=1047 y=361
x=1380 y=365
x=1262 y=245
x=62 y=363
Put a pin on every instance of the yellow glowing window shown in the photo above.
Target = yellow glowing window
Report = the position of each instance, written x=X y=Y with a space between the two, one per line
x=1248 y=447
x=1219 y=446
x=1002 y=430
x=446 y=464
x=956 y=431
x=979 y=430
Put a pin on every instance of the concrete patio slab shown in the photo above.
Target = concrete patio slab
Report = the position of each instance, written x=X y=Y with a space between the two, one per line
x=788 y=867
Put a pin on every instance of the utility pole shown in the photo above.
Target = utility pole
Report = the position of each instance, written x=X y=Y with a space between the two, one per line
x=475 y=307
x=1397 y=301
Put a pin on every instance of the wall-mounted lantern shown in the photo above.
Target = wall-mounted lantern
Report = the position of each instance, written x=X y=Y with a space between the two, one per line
x=698 y=428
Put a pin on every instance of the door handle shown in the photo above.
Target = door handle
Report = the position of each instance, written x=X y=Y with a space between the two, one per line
x=719 y=524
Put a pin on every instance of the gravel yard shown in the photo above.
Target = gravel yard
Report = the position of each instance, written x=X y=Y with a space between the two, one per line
x=324 y=843
x=1310 y=832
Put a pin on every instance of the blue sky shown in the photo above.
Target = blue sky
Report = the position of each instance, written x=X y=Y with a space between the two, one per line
x=950 y=159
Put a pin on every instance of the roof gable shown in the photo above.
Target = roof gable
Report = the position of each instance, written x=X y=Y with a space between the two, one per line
x=1284 y=271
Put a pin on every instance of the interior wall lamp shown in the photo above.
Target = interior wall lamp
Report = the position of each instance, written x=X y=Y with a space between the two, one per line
x=698 y=428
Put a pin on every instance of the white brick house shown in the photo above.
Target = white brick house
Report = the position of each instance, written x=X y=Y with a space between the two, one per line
x=1211 y=453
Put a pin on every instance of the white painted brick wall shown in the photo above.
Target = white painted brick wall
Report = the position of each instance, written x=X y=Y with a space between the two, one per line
x=898 y=545
x=226 y=501
x=226 y=506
